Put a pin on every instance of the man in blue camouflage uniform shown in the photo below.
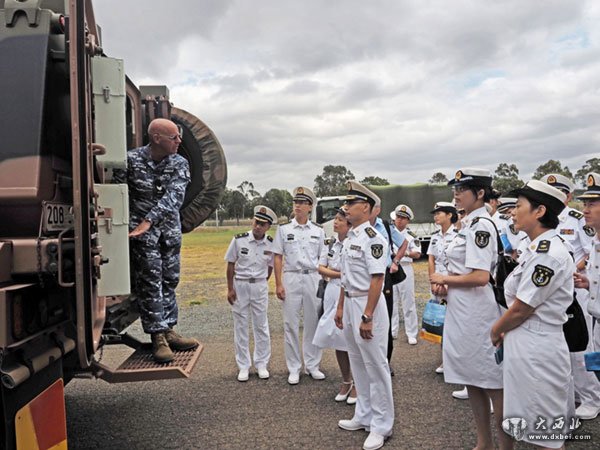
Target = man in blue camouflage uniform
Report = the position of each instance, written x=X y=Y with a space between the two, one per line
x=157 y=178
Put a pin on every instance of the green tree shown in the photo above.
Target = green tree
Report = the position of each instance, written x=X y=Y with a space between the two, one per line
x=232 y=205
x=591 y=165
x=374 y=181
x=332 y=181
x=438 y=178
x=552 y=166
x=507 y=178
x=279 y=200
x=246 y=188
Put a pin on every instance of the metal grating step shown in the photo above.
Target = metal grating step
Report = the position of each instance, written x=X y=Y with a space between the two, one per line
x=140 y=366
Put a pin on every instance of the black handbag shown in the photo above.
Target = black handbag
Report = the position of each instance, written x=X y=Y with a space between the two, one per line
x=504 y=266
x=321 y=295
x=575 y=328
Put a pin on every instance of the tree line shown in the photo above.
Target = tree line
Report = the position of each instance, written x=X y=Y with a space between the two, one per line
x=239 y=202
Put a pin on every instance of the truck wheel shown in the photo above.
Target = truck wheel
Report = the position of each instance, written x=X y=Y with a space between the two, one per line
x=207 y=166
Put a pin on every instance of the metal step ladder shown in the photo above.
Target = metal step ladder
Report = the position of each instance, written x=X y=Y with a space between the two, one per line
x=140 y=366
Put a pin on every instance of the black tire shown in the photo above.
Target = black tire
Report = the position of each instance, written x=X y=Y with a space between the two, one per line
x=208 y=169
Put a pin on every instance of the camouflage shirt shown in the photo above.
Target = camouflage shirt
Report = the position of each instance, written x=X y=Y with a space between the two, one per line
x=156 y=189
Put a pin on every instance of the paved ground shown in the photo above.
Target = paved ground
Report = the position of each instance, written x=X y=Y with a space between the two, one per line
x=213 y=410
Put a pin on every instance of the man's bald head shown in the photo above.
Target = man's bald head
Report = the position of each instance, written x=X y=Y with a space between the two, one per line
x=164 y=126
x=164 y=138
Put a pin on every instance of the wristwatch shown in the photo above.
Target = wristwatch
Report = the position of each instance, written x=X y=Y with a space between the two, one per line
x=366 y=319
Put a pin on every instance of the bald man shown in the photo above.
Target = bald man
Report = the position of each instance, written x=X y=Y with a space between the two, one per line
x=157 y=178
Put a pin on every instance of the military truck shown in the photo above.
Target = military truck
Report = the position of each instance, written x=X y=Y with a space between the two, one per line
x=420 y=197
x=69 y=115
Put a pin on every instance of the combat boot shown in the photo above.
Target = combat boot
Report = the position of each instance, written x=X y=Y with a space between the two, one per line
x=161 y=351
x=178 y=342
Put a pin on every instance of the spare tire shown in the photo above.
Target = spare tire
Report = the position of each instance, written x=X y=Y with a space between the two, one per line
x=207 y=166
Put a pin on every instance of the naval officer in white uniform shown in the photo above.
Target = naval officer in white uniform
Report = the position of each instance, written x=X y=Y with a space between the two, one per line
x=468 y=353
x=362 y=314
x=537 y=367
x=249 y=266
x=297 y=247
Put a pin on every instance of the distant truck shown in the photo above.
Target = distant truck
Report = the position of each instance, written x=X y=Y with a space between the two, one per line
x=420 y=197
x=69 y=114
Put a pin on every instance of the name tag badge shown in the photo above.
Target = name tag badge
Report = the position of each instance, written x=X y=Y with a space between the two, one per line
x=290 y=237
x=244 y=251
x=355 y=247
x=267 y=252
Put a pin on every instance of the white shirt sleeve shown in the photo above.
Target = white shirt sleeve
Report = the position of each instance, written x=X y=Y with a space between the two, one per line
x=231 y=255
x=376 y=254
x=481 y=246
x=539 y=280
x=278 y=241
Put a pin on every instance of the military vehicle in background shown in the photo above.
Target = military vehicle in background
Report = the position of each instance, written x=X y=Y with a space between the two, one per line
x=420 y=197
x=69 y=114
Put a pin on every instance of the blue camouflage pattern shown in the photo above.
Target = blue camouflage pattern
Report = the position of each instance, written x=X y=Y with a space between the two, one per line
x=156 y=192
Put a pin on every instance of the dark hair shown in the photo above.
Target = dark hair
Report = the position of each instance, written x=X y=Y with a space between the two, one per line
x=549 y=219
x=487 y=191
x=454 y=217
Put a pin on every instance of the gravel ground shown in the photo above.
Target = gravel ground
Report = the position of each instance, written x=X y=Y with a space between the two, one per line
x=213 y=410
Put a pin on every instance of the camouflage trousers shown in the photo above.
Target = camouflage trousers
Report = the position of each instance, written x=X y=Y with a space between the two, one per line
x=156 y=275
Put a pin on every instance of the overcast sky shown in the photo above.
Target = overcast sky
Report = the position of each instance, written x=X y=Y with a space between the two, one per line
x=394 y=88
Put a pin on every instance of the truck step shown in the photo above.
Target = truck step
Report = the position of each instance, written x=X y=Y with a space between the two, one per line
x=140 y=366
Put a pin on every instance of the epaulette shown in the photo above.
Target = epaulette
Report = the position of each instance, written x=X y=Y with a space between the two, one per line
x=574 y=213
x=285 y=223
x=412 y=233
x=475 y=220
x=316 y=224
x=543 y=246
x=589 y=230
x=269 y=238
x=435 y=232
x=370 y=232
x=504 y=216
x=241 y=235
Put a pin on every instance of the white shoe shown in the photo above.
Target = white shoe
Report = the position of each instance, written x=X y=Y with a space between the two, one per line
x=316 y=374
x=587 y=412
x=344 y=397
x=263 y=373
x=440 y=369
x=491 y=407
x=374 y=441
x=351 y=425
x=351 y=400
x=294 y=378
x=243 y=375
x=411 y=341
x=463 y=394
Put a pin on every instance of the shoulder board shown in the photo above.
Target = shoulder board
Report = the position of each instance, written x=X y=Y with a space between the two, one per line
x=241 y=235
x=370 y=232
x=574 y=213
x=504 y=216
x=269 y=238
x=412 y=233
x=435 y=232
x=285 y=223
x=316 y=224
x=475 y=220
x=543 y=246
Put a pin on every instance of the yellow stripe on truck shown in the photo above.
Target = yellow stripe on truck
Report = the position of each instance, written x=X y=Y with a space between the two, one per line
x=26 y=437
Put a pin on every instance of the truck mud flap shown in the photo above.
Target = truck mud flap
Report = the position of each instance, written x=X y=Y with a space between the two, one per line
x=140 y=366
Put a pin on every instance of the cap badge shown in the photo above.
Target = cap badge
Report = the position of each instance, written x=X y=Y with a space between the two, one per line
x=458 y=175
x=551 y=179
x=590 y=180
x=263 y=210
x=299 y=191
x=403 y=209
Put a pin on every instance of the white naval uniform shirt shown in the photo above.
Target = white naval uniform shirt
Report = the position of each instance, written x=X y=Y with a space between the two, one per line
x=543 y=279
x=414 y=245
x=593 y=274
x=507 y=228
x=364 y=253
x=301 y=245
x=572 y=229
x=330 y=257
x=438 y=245
x=252 y=257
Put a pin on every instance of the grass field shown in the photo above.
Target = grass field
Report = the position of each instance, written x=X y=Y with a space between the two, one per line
x=203 y=267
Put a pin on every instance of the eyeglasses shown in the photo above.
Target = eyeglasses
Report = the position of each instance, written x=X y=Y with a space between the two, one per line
x=354 y=202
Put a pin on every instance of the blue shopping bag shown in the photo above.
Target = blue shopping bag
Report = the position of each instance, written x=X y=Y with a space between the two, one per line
x=592 y=363
x=433 y=321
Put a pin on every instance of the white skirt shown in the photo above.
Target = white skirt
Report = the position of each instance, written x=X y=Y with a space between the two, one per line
x=537 y=372
x=328 y=335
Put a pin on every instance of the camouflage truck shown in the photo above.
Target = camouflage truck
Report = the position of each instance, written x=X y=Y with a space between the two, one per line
x=420 y=197
x=69 y=115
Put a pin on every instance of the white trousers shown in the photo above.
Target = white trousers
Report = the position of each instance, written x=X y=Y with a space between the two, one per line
x=301 y=297
x=369 y=365
x=587 y=386
x=252 y=298
x=404 y=295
